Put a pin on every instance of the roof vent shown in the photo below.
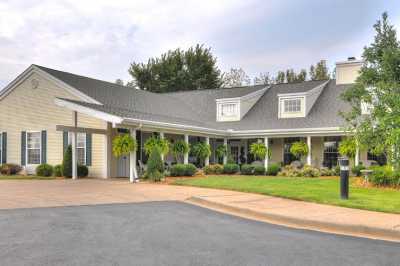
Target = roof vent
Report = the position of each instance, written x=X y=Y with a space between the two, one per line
x=351 y=58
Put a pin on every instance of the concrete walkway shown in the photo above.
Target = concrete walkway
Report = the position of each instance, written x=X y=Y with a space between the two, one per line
x=32 y=193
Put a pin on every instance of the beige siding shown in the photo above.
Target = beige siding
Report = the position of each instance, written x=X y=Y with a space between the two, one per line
x=28 y=109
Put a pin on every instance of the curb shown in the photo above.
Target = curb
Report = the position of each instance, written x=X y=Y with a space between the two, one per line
x=336 y=228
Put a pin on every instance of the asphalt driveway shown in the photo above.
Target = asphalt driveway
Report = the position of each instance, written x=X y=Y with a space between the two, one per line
x=171 y=233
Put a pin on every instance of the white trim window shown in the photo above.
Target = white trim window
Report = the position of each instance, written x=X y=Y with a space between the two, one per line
x=292 y=105
x=80 y=147
x=228 y=109
x=33 y=147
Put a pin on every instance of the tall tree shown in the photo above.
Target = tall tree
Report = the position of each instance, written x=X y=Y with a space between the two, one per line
x=320 y=71
x=378 y=88
x=280 y=77
x=178 y=70
x=290 y=76
x=235 y=77
x=263 y=79
x=302 y=76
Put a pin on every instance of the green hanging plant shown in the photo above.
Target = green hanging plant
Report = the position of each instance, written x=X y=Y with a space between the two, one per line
x=154 y=141
x=201 y=150
x=221 y=151
x=259 y=151
x=348 y=147
x=123 y=145
x=299 y=149
x=179 y=149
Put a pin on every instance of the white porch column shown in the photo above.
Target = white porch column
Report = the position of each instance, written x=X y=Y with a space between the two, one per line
x=266 y=160
x=74 y=139
x=132 y=161
x=207 y=160
x=309 y=160
x=162 y=137
x=225 y=155
x=186 y=155
x=357 y=156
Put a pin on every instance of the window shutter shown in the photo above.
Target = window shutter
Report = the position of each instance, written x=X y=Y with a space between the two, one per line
x=23 y=148
x=44 y=146
x=65 y=141
x=88 y=149
x=4 y=148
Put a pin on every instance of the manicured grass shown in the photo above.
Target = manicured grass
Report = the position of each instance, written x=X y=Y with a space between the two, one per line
x=320 y=190
x=25 y=177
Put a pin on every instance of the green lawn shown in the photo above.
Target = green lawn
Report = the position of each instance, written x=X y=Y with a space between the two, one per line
x=25 y=177
x=320 y=190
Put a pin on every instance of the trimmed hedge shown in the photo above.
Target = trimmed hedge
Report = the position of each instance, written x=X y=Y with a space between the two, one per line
x=183 y=170
x=247 y=169
x=83 y=171
x=384 y=176
x=57 y=171
x=259 y=170
x=213 y=169
x=231 y=168
x=10 y=169
x=273 y=169
x=44 y=169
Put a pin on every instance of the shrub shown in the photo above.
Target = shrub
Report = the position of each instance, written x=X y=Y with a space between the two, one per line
x=67 y=162
x=83 y=170
x=309 y=171
x=10 y=169
x=179 y=149
x=183 y=170
x=327 y=172
x=57 y=171
x=356 y=170
x=247 y=169
x=44 y=169
x=273 y=169
x=154 y=141
x=155 y=165
x=231 y=168
x=213 y=169
x=259 y=170
x=201 y=150
x=336 y=170
x=384 y=176
x=123 y=145
x=299 y=149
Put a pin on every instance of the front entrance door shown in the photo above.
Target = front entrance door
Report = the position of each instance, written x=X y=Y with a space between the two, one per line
x=123 y=166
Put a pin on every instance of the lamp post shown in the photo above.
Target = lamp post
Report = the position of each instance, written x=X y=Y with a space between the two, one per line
x=344 y=177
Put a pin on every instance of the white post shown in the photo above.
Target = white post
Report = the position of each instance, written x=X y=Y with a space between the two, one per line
x=186 y=155
x=162 y=137
x=357 y=157
x=309 y=160
x=132 y=161
x=74 y=140
x=266 y=160
x=207 y=160
x=225 y=155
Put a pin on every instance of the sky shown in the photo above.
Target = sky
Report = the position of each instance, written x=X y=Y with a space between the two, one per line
x=101 y=38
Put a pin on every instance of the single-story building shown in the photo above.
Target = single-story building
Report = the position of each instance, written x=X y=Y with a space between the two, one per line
x=43 y=110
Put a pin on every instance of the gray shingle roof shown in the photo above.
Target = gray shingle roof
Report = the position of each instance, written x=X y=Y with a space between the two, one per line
x=198 y=108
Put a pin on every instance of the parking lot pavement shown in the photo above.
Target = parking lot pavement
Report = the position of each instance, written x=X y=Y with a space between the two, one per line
x=171 y=233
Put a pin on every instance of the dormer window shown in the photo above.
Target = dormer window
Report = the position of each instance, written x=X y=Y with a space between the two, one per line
x=228 y=111
x=293 y=106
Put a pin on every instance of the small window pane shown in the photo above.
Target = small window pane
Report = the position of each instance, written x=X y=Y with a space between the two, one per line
x=292 y=105
x=33 y=143
x=228 y=109
x=80 y=146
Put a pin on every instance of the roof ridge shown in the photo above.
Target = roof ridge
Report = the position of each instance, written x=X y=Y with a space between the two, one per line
x=215 y=89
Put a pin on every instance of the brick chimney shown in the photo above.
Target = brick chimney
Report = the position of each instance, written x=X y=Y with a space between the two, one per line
x=348 y=71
